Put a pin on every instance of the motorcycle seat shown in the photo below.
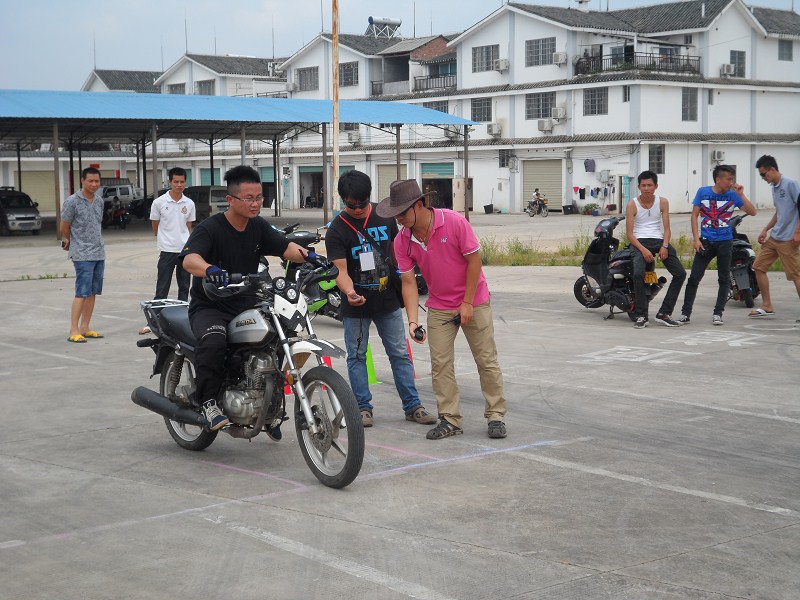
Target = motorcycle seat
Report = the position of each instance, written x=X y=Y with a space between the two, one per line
x=174 y=321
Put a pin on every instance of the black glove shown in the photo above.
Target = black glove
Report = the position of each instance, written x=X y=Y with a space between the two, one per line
x=216 y=276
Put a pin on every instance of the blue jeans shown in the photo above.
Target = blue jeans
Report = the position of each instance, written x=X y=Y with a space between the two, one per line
x=392 y=331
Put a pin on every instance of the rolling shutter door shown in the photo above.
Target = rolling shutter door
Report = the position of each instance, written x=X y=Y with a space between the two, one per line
x=40 y=186
x=546 y=175
x=386 y=175
x=437 y=170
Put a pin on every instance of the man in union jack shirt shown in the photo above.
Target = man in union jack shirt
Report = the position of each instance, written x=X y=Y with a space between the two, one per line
x=713 y=207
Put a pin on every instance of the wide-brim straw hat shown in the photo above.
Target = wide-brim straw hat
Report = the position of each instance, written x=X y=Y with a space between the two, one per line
x=402 y=194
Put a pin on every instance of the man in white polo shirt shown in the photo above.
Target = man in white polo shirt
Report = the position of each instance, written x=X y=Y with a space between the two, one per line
x=172 y=216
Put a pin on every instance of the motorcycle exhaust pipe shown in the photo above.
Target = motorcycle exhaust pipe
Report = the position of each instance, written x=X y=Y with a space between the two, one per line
x=161 y=405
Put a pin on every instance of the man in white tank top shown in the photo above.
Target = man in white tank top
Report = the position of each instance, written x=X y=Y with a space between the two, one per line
x=647 y=225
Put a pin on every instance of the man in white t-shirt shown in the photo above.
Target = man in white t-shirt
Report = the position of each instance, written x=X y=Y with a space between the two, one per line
x=172 y=216
x=648 y=230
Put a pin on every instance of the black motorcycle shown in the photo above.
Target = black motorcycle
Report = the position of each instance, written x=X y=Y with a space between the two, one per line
x=608 y=273
x=270 y=346
x=537 y=207
x=744 y=287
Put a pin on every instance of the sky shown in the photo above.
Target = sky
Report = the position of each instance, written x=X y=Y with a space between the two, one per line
x=55 y=44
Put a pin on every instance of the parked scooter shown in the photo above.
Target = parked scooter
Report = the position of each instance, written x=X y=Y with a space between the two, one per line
x=608 y=273
x=269 y=346
x=744 y=287
x=115 y=214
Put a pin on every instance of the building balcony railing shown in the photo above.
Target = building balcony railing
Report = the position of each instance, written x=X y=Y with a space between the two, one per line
x=434 y=82
x=664 y=63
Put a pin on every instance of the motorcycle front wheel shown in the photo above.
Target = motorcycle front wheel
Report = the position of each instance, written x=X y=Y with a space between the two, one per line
x=582 y=295
x=335 y=454
x=544 y=212
x=189 y=437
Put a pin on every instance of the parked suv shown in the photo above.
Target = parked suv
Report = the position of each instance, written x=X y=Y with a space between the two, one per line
x=208 y=199
x=126 y=193
x=18 y=212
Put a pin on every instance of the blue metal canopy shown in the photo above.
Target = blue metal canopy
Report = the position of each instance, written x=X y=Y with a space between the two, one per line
x=29 y=115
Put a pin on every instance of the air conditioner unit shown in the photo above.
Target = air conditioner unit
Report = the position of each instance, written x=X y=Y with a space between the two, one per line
x=291 y=86
x=501 y=65
x=559 y=58
x=727 y=69
x=558 y=112
x=545 y=125
x=353 y=137
x=718 y=155
x=494 y=129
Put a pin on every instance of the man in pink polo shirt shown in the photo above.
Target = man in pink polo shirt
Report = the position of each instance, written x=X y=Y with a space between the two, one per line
x=443 y=245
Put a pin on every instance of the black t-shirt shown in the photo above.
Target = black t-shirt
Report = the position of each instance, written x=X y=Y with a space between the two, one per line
x=342 y=242
x=220 y=244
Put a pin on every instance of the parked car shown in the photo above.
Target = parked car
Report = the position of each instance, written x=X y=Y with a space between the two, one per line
x=208 y=199
x=140 y=207
x=18 y=212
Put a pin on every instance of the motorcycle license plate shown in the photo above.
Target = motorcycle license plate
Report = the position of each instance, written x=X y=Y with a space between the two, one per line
x=650 y=277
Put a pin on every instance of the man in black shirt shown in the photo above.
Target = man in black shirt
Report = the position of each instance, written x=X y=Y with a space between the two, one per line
x=359 y=242
x=229 y=242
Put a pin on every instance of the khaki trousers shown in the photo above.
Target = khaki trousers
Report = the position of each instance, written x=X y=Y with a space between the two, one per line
x=480 y=337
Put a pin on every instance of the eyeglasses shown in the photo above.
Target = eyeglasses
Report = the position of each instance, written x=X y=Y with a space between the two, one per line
x=763 y=174
x=357 y=205
x=256 y=200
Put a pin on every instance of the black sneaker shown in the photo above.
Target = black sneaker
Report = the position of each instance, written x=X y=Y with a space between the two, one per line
x=683 y=320
x=666 y=320
x=216 y=420
x=444 y=429
x=640 y=323
x=497 y=429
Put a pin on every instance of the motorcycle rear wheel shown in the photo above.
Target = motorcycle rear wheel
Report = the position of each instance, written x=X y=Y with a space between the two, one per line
x=582 y=295
x=189 y=437
x=747 y=297
x=335 y=455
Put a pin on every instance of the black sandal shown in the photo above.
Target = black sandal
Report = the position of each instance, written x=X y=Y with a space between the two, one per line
x=444 y=429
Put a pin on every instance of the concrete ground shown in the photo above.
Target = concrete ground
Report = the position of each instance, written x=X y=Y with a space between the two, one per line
x=652 y=464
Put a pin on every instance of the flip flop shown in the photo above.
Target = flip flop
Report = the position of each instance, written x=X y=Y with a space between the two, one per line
x=92 y=334
x=76 y=339
x=760 y=312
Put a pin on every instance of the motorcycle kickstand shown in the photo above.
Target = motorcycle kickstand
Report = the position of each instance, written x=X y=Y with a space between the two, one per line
x=610 y=314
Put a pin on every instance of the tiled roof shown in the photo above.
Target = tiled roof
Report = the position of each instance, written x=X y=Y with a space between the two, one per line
x=364 y=44
x=129 y=81
x=238 y=65
x=671 y=16
x=779 y=22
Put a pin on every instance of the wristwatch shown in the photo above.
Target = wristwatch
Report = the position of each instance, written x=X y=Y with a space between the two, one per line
x=665 y=245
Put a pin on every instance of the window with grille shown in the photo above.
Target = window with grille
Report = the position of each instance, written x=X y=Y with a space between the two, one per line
x=204 y=88
x=785 y=50
x=482 y=110
x=538 y=106
x=738 y=58
x=484 y=58
x=595 y=101
x=348 y=74
x=539 y=52
x=177 y=88
x=626 y=93
x=687 y=39
x=656 y=158
x=348 y=126
x=440 y=105
x=308 y=79
x=617 y=55
x=504 y=157
x=689 y=104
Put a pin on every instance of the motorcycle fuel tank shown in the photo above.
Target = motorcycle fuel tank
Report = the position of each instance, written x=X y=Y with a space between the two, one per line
x=250 y=327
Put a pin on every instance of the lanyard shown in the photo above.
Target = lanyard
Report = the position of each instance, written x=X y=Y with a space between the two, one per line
x=361 y=237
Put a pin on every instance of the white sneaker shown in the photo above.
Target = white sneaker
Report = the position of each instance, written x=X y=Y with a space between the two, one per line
x=716 y=320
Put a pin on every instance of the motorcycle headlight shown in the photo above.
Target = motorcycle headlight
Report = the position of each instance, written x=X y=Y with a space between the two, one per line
x=279 y=283
x=291 y=294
